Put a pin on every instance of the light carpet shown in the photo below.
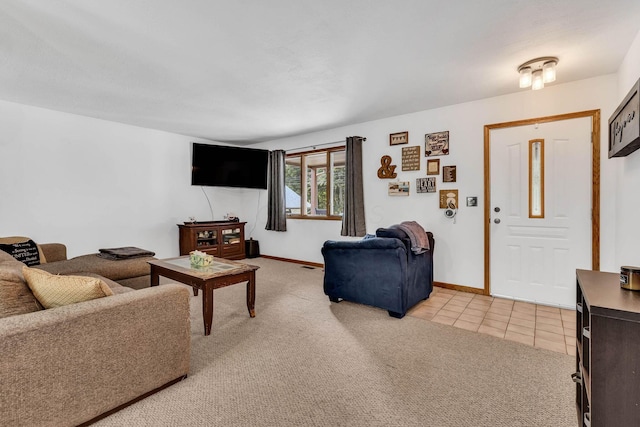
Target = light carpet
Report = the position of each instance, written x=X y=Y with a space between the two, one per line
x=303 y=361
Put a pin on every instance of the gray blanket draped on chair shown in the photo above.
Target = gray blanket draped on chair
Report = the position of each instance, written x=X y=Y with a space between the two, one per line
x=417 y=235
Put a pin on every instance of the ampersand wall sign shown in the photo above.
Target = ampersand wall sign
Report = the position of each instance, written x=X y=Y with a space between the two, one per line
x=387 y=170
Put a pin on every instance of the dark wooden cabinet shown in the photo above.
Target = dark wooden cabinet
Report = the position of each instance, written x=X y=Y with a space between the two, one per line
x=608 y=351
x=220 y=239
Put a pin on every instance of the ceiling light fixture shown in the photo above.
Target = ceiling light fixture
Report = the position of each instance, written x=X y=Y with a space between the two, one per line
x=537 y=72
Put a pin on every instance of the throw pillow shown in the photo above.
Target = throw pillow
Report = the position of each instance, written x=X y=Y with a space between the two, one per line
x=55 y=291
x=23 y=249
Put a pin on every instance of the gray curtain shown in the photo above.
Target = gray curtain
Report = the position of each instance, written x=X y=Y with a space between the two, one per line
x=276 y=209
x=353 y=216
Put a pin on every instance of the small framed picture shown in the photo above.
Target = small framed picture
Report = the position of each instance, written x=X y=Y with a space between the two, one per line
x=448 y=174
x=399 y=138
x=449 y=199
x=399 y=188
x=433 y=167
x=425 y=185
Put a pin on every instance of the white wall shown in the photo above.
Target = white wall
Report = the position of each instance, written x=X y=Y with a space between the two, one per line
x=628 y=182
x=459 y=254
x=92 y=183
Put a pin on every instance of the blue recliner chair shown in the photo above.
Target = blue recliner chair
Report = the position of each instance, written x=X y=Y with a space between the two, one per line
x=380 y=271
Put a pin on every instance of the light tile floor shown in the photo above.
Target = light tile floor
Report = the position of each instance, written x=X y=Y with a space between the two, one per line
x=541 y=326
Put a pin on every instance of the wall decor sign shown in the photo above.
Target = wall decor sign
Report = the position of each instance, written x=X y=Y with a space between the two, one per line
x=411 y=158
x=425 y=185
x=448 y=199
x=433 y=167
x=387 y=170
x=399 y=188
x=436 y=144
x=448 y=174
x=399 y=138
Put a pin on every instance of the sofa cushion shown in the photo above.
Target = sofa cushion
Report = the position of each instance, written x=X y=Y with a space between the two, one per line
x=55 y=291
x=8 y=244
x=15 y=295
x=10 y=269
x=115 y=287
x=16 y=298
x=114 y=270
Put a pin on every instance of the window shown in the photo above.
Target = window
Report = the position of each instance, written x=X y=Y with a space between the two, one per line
x=536 y=178
x=314 y=184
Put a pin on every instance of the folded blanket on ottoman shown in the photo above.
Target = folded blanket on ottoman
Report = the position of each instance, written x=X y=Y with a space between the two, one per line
x=126 y=252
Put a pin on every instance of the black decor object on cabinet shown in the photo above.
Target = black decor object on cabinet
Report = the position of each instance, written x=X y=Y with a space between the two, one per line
x=607 y=373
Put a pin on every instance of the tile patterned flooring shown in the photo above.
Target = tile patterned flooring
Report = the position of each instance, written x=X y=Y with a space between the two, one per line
x=541 y=326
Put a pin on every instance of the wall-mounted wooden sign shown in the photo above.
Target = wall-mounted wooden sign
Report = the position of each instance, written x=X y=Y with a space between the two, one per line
x=411 y=158
x=448 y=199
x=387 y=170
x=436 y=144
x=448 y=174
x=425 y=185
x=399 y=138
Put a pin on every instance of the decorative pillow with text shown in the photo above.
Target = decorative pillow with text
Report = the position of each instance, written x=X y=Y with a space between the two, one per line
x=26 y=252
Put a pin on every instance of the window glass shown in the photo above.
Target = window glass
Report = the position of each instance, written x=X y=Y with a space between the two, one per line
x=315 y=183
x=337 y=182
x=536 y=178
x=293 y=185
x=316 y=165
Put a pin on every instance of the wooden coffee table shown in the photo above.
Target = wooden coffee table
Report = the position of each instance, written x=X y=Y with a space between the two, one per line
x=219 y=274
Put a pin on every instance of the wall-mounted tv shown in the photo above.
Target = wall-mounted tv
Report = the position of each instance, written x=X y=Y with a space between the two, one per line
x=225 y=166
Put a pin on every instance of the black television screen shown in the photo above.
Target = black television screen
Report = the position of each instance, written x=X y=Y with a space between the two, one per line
x=224 y=166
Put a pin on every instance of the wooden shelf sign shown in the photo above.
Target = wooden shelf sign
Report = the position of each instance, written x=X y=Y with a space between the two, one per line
x=411 y=158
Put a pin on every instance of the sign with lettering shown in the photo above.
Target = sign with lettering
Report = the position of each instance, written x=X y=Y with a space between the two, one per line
x=425 y=185
x=436 y=144
x=411 y=158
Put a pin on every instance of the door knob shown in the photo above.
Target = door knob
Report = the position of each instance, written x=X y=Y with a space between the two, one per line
x=497 y=209
x=497 y=220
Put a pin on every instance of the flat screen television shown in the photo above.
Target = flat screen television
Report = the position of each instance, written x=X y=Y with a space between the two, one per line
x=224 y=166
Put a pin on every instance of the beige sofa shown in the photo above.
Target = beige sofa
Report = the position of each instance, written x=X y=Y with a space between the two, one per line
x=69 y=365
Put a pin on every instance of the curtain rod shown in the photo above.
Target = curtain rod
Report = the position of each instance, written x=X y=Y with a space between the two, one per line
x=320 y=145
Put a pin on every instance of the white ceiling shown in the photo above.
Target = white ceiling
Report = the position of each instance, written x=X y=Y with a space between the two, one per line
x=252 y=70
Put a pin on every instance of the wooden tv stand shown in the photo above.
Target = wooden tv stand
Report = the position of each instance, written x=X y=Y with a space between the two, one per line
x=223 y=239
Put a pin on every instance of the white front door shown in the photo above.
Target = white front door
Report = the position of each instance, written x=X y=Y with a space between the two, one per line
x=536 y=246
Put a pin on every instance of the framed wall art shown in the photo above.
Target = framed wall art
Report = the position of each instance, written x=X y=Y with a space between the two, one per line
x=411 y=158
x=436 y=144
x=448 y=174
x=399 y=188
x=425 y=185
x=433 y=167
x=399 y=138
x=448 y=199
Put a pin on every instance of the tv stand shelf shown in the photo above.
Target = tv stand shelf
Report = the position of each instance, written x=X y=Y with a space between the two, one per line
x=223 y=239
